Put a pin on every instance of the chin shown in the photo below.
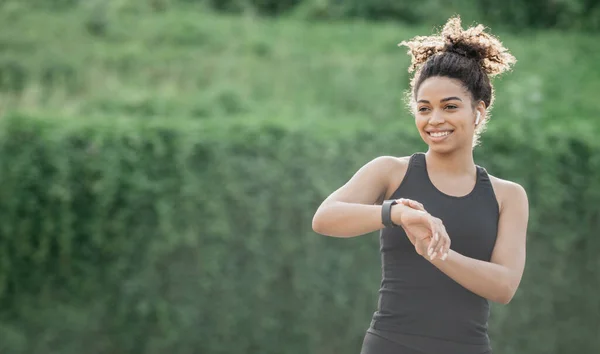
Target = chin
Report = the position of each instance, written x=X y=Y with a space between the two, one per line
x=442 y=150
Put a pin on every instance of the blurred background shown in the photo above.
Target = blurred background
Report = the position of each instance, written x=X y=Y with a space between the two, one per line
x=162 y=161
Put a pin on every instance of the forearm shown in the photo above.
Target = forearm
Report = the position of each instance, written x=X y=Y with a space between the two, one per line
x=489 y=280
x=339 y=219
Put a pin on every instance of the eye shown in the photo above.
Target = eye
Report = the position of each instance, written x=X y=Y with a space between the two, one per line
x=451 y=106
x=423 y=109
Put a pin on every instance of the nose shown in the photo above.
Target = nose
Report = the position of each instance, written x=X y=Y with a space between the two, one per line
x=436 y=118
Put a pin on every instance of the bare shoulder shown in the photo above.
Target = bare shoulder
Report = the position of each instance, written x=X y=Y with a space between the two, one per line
x=397 y=174
x=371 y=183
x=392 y=169
x=509 y=193
x=389 y=164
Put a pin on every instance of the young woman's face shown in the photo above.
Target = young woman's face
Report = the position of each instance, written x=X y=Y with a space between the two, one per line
x=444 y=114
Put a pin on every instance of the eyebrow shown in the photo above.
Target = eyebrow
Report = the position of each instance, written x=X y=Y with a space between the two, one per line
x=442 y=100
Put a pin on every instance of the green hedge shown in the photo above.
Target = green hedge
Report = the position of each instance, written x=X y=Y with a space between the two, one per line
x=189 y=64
x=518 y=15
x=122 y=236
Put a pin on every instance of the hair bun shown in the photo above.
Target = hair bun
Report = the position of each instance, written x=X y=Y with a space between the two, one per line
x=464 y=49
x=473 y=43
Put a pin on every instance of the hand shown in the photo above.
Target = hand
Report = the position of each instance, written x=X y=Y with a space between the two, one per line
x=423 y=230
x=415 y=221
x=421 y=245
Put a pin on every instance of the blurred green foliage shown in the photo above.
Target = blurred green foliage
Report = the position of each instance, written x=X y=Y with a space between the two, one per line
x=89 y=62
x=515 y=14
x=138 y=236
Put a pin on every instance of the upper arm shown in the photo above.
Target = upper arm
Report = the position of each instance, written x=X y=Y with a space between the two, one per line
x=509 y=250
x=370 y=184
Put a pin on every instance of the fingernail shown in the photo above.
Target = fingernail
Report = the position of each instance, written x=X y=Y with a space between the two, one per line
x=433 y=255
x=444 y=256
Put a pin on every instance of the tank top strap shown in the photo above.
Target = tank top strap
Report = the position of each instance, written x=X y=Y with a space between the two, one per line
x=484 y=184
x=482 y=176
x=418 y=165
x=416 y=172
x=418 y=159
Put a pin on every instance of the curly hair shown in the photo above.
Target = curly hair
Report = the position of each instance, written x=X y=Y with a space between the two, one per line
x=471 y=56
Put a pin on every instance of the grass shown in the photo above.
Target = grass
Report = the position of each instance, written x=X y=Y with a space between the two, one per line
x=194 y=64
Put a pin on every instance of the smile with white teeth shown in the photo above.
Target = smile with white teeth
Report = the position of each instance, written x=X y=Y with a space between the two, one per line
x=440 y=134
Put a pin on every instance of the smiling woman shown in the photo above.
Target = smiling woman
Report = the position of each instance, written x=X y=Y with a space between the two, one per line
x=452 y=236
x=444 y=118
x=469 y=57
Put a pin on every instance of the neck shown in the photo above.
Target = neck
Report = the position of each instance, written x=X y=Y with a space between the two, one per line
x=456 y=162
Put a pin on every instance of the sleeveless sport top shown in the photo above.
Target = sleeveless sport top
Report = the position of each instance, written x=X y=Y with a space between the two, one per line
x=419 y=306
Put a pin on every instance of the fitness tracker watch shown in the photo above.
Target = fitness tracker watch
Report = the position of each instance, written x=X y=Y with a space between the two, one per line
x=386 y=213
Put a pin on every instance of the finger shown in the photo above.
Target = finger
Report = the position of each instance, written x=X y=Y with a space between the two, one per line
x=438 y=250
x=416 y=205
x=446 y=250
x=411 y=203
x=441 y=252
x=443 y=237
x=404 y=201
x=445 y=247
x=435 y=238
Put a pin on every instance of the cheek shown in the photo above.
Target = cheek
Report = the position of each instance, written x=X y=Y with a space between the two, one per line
x=462 y=121
x=420 y=122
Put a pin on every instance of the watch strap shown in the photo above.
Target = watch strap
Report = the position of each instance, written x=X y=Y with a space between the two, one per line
x=386 y=213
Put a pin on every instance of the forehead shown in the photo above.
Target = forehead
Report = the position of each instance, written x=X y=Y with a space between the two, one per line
x=437 y=88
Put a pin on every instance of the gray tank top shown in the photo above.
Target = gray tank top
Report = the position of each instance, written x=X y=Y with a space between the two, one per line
x=419 y=306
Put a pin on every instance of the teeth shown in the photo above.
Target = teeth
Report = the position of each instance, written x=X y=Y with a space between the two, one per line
x=439 y=134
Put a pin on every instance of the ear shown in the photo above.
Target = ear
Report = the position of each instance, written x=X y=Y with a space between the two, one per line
x=479 y=112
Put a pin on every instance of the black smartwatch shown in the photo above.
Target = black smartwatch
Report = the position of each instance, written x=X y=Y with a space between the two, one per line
x=386 y=213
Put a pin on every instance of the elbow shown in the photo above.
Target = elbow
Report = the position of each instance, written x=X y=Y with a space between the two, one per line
x=322 y=224
x=318 y=224
x=326 y=222
x=504 y=299
x=506 y=295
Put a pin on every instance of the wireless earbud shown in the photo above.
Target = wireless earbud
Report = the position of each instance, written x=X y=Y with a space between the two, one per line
x=478 y=116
